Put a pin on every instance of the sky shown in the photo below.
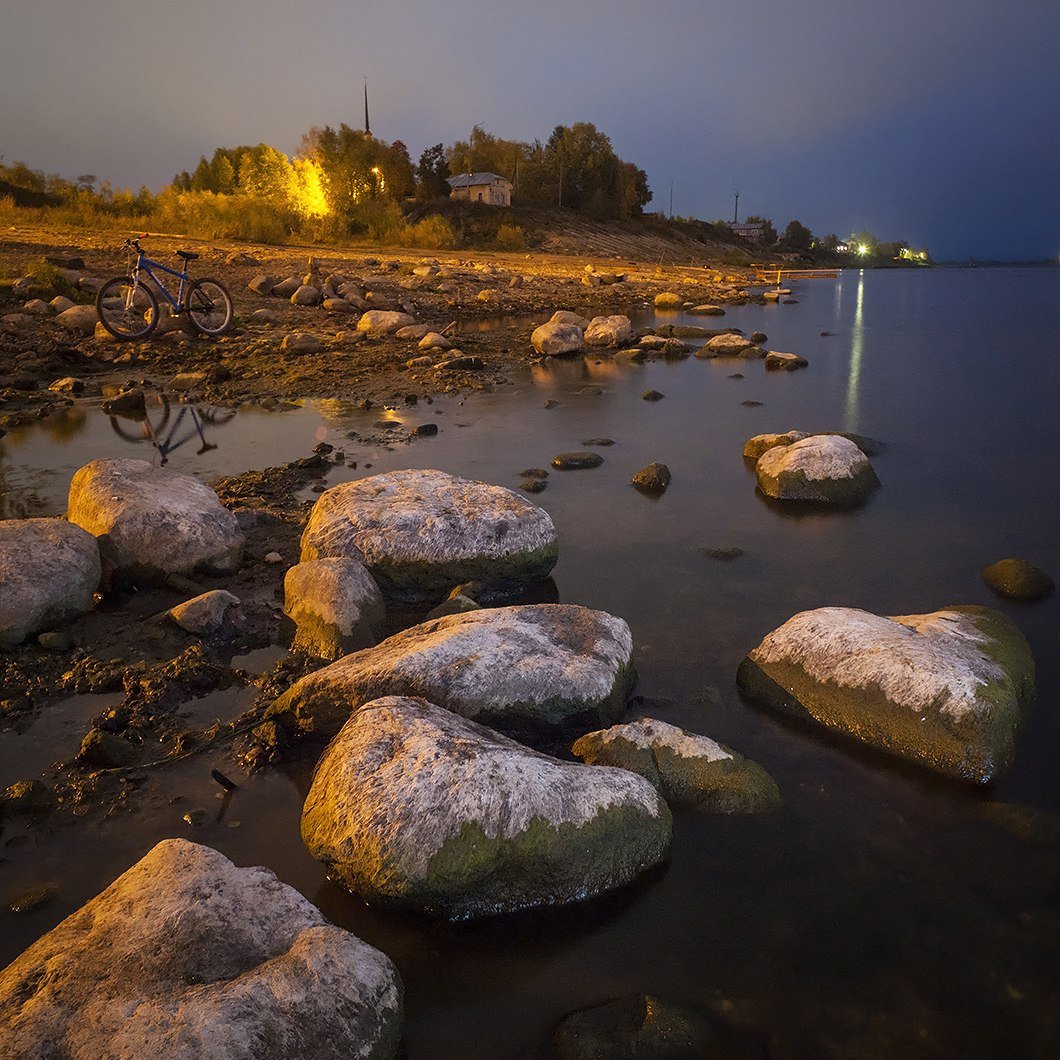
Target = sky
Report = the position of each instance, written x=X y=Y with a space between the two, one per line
x=935 y=121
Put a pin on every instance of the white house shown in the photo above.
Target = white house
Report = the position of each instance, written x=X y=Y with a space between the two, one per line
x=482 y=187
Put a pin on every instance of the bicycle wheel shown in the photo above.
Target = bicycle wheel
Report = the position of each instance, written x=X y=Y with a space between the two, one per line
x=209 y=307
x=127 y=308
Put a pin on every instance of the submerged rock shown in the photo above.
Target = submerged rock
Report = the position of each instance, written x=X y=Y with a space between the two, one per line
x=555 y=339
x=49 y=572
x=947 y=690
x=412 y=805
x=725 y=345
x=186 y=955
x=578 y=461
x=685 y=768
x=652 y=479
x=1016 y=579
x=152 y=522
x=784 y=362
x=336 y=605
x=421 y=532
x=824 y=468
x=536 y=671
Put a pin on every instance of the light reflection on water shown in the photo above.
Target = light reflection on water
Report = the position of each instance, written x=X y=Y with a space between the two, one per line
x=875 y=902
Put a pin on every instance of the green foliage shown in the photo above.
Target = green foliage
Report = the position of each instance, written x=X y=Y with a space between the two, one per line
x=209 y=215
x=434 y=233
x=797 y=236
x=48 y=278
x=510 y=237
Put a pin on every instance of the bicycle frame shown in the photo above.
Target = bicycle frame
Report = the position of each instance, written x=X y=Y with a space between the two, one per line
x=144 y=263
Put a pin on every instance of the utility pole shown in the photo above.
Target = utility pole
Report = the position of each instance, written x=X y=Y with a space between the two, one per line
x=736 y=209
x=671 y=200
x=367 y=126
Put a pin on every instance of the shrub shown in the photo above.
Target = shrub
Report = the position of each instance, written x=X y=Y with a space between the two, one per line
x=510 y=237
x=434 y=233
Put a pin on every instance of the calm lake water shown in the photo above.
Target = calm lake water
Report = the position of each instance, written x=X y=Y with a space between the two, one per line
x=879 y=912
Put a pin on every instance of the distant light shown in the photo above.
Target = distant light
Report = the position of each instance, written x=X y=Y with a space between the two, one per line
x=863 y=248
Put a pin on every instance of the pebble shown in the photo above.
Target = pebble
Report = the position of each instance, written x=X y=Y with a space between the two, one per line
x=273 y=557
x=652 y=395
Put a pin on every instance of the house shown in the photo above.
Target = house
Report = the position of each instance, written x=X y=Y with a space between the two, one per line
x=482 y=187
x=753 y=232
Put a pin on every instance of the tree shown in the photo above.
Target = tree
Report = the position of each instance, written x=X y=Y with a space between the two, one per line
x=797 y=236
x=433 y=173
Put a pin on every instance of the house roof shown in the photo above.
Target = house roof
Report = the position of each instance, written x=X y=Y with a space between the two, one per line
x=473 y=180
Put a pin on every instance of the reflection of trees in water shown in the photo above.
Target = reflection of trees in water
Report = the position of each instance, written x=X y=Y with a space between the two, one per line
x=65 y=425
x=18 y=501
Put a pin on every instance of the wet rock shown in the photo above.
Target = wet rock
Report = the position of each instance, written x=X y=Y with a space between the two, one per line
x=562 y=316
x=784 y=362
x=421 y=532
x=669 y=301
x=302 y=342
x=336 y=605
x=129 y=403
x=1016 y=579
x=576 y=461
x=727 y=345
x=602 y=442
x=49 y=572
x=652 y=395
x=762 y=443
x=103 y=750
x=708 y=310
x=68 y=385
x=412 y=805
x=263 y=283
x=723 y=555
x=946 y=690
x=758 y=337
x=454 y=605
x=644 y=1027
x=825 y=469
x=685 y=768
x=185 y=382
x=535 y=671
x=79 y=318
x=26 y=798
x=554 y=340
x=460 y=364
x=286 y=288
x=186 y=955
x=378 y=322
x=533 y=485
x=610 y=331
x=152 y=522
x=536 y=472
x=32 y=900
x=426 y=430
x=207 y=615
x=652 y=479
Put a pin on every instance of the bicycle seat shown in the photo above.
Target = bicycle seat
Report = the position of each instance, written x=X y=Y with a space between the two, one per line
x=186 y=255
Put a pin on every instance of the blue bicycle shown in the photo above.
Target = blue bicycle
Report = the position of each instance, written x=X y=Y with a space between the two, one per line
x=128 y=308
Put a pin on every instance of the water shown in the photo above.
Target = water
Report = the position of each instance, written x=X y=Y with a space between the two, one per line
x=880 y=912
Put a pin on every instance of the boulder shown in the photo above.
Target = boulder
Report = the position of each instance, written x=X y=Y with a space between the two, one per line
x=264 y=316
x=411 y=805
x=49 y=572
x=37 y=307
x=824 y=468
x=414 y=332
x=306 y=294
x=535 y=671
x=60 y=303
x=708 y=310
x=946 y=690
x=784 y=362
x=668 y=300
x=336 y=605
x=421 y=532
x=338 y=305
x=263 y=283
x=205 y=615
x=552 y=340
x=152 y=522
x=686 y=768
x=384 y=322
x=577 y=461
x=79 y=318
x=286 y=288
x=186 y=955
x=433 y=340
x=725 y=345
x=762 y=443
x=609 y=331
x=1016 y=579
x=68 y=385
x=302 y=342
x=562 y=316
x=652 y=479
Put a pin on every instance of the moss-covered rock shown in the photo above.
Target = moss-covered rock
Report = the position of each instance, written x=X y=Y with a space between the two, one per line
x=947 y=690
x=421 y=532
x=1016 y=579
x=823 y=469
x=537 y=672
x=336 y=606
x=411 y=805
x=685 y=768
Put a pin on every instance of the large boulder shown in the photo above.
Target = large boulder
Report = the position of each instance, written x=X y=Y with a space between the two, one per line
x=686 y=768
x=79 y=318
x=1016 y=579
x=762 y=443
x=186 y=955
x=152 y=522
x=609 y=331
x=49 y=571
x=536 y=671
x=725 y=345
x=947 y=690
x=336 y=605
x=563 y=316
x=420 y=533
x=824 y=468
x=555 y=339
x=384 y=322
x=412 y=805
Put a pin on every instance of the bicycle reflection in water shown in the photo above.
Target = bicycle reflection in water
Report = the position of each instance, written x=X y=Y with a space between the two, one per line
x=166 y=437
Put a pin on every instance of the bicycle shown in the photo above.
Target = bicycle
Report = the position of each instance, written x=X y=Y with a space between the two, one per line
x=129 y=309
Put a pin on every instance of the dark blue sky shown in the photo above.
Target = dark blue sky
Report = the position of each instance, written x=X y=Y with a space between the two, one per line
x=937 y=121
